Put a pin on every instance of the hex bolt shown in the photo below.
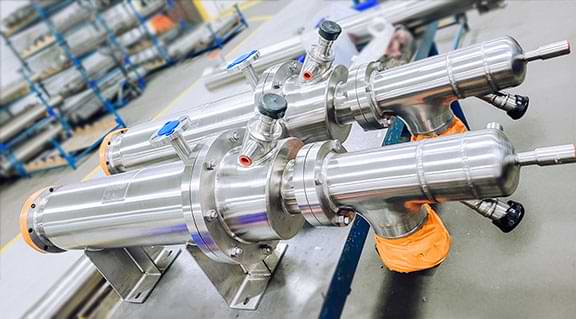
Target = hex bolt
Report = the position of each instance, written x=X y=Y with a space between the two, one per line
x=495 y=125
x=235 y=137
x=236 y=252
x=210 y=165
x=267 y=250
x=212 y=215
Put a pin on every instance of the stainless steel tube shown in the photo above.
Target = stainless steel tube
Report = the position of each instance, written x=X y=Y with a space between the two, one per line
x=133 y=150
x=412 y=13
x=27 y=150
x=21 y=122
x=478 y=164
x=140 y=208
x=431 y=84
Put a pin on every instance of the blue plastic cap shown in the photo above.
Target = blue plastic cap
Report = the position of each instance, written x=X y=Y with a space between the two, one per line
x=168 y=128
x=241 y=59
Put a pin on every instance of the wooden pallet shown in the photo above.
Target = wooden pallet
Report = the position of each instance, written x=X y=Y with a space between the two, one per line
x=82 y=138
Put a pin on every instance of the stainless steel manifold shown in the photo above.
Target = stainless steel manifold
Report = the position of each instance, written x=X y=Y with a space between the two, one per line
x=245 y=172
x=411 y=13
x=232 y=214
x=324 y=106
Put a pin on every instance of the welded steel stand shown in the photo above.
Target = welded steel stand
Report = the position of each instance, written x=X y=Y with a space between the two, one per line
x=133 y=272
x=242 y=287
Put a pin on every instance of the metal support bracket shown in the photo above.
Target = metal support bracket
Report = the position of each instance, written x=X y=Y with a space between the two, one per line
x=133 y=272
x=242 y=287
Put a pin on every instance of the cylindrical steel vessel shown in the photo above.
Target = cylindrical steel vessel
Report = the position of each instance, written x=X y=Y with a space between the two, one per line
x=432 y=84
x=478 y=164
x=132 y=149
x=139 y=208
x=225 y=207
x=412 y=13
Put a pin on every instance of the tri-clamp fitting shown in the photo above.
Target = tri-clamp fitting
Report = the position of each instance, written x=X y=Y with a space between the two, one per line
x=243 y=63
x=320 y=57
x=263 y=130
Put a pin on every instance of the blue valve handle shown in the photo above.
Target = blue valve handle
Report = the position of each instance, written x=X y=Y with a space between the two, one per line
x=241 y=59
x=168 y=128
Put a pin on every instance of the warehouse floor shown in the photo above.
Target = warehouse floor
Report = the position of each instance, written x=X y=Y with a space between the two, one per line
x=530 y=273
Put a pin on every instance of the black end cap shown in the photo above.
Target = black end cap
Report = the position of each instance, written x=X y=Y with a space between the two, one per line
x=522 y=103
x=329 y=30
x=273 y=106
x=512 y=219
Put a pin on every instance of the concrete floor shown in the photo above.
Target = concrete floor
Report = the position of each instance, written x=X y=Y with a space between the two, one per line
x=530 y=273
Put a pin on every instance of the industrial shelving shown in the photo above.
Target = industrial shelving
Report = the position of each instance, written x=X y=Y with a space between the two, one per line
x=133 y=73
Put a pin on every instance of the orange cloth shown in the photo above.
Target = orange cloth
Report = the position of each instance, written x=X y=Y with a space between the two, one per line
x=424 y=249
x=428 y=246
x=455 y=128
x=103 y=150
x=161 y=24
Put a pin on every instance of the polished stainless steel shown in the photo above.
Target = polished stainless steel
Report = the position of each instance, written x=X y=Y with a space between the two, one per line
x=176 y=139
x=493 y=209
x=306 y=186
x=412 y=13
x=133 y=149
x=473 y=71
x=552 y=155
x=549 y=51
x=163 y=205
x=138 y=208
x=263 y=132
x=133 y=272
x=419 y=93
x=507 y=102
x=246 y=68
x=236 y=215
x=241 y=286
x=318 y=60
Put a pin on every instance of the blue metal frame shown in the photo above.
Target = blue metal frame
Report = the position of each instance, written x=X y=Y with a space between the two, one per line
x=339 y=287
x=155 y=41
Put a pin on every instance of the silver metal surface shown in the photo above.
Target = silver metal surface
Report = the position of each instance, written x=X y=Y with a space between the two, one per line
x=242 y=287
x=134 y=151
x=32 y=147
x=419 y=93
x=132 y=272
x=493 y=209
x=139 y=208
x=412 y=13
x=552 y=155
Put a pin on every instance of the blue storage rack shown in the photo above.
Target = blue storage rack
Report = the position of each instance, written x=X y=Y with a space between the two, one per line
x=43 y=96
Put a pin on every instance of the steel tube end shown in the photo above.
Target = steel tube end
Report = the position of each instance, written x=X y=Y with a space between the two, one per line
x=544 y=156
x=27 y=230
x=549 y=51
x=103 y=161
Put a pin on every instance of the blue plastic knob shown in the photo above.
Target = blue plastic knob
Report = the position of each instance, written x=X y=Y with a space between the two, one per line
x=168 y=128
x=241 y=59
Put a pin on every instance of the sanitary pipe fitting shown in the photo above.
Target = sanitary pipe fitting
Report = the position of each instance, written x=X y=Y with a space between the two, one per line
x=506 y=215
x=320 y=57
x=243 y=63
x=514 y=105
x=172 y=134
x=263 y=129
